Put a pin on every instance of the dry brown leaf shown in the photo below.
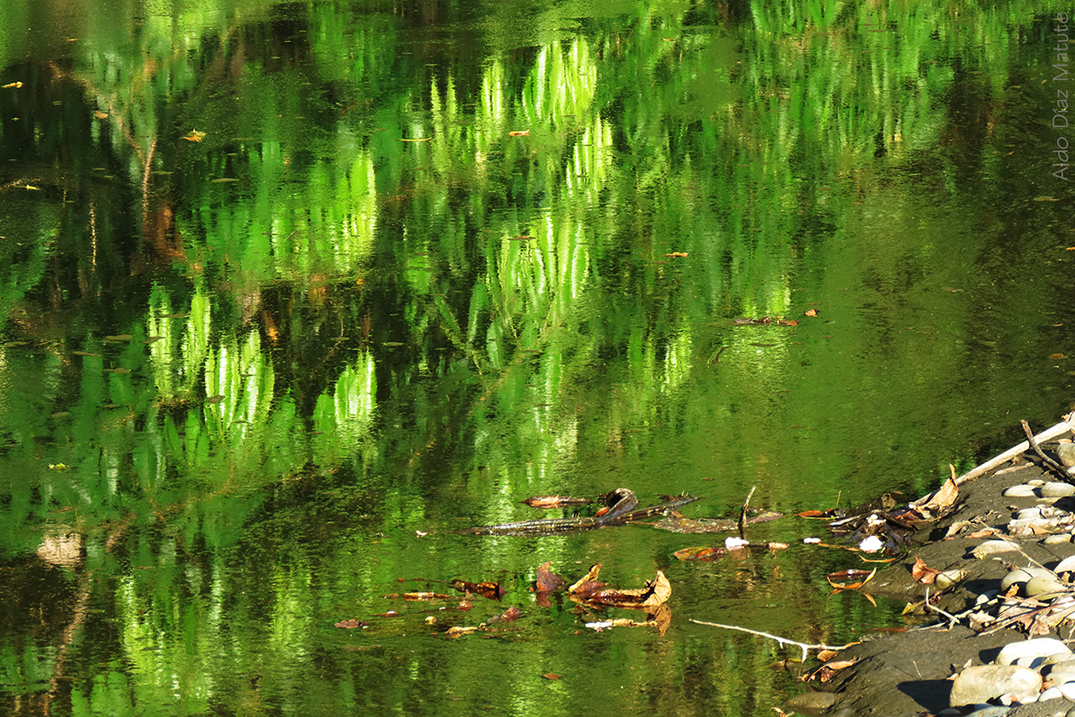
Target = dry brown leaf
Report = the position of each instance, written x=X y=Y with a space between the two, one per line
x=840 y=664
x=589 y=577
x=922 y=573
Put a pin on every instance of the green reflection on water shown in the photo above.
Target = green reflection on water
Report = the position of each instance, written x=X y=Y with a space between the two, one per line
x=231 y=409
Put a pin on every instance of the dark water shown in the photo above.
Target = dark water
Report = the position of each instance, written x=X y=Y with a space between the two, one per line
x=288 y=292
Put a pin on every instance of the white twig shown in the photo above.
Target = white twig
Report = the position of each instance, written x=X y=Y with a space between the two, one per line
x=952 y=619
x=782 y=640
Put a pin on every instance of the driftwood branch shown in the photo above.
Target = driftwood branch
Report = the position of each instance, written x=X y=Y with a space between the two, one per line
x=1053 y=465
x=1068 y=424
x=782 y=640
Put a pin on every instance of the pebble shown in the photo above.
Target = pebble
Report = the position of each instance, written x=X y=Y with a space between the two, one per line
x=990 y=711
x=948 y=578
x=1021 y=576
x=1058 y=538
x=1057 y=489
x=1066 y=453
x=1067 y=565
x=990 y=547
x=1020 y=491
x=1040 y=584
x=1038 y=647
x=975 y=685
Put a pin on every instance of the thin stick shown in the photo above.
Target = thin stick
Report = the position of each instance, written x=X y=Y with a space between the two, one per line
x=743 y=514
x=1034 y=444
x=952 y=619
x=1068 y=424
x=781 y=640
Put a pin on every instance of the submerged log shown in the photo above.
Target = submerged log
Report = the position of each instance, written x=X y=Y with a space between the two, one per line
x=620 y=507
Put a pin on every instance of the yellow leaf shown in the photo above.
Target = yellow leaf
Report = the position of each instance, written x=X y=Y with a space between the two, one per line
x=100 y=115
x=194 y=136
x=15 y=85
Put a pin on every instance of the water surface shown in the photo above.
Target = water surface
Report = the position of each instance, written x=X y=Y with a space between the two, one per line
x=289 y=292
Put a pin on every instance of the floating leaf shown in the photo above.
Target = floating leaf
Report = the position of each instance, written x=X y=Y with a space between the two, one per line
x=519 y=133
x=221 y=180
x=15 y=85
x=551 y=676
x=654 y=593
x=351 y=624
x=826 y=514
x=491 y=591
x=425 y=595
x=548 y=581
x=677 y=255
x=119 y=337
x=194 y=136
x=454 y=632
x=1057 y=357
x=100 y=115
x=510 y=615
x=841 y=579
x=707 y=554
x=810 y=312
x=555 y=501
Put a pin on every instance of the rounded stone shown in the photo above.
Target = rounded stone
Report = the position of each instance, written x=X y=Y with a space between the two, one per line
x=948 y=578
x=1020 y=491
x=1057 y=489
x=1066 y=453
x=990 y=711
x=1041 y=584
x=979 y=684
x=1038 y=647
x=1057 y=538
x=1021 y=576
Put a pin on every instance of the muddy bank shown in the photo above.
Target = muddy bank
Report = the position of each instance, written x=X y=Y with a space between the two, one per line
x=908 y=674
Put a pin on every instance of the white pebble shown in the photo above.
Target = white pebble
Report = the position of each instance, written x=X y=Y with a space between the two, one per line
x=1038 y=647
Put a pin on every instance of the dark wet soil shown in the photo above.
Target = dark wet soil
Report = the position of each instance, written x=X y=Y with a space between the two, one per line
x=907 y=674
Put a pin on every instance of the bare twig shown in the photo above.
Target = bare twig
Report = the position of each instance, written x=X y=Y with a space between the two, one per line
x=952 y=619
x=782 y=640
x=1068 y=424
x=1053 y=465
